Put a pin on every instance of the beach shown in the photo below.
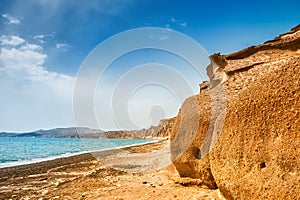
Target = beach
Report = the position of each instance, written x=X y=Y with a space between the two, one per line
x=136 y=172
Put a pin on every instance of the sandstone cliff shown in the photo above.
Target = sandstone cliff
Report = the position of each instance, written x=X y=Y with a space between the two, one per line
x=162 y=130
x=187 y=136
x=247 y=140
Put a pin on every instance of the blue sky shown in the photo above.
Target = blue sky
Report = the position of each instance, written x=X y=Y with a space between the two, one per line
x=43 y=44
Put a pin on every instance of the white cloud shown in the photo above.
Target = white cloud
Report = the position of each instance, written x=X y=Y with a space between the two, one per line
x=176 y=22
x=11 y=40
x=25 y=58
x=11 y=19
x=42 y=37
x=31 y=47
x=32 y=96
x=38 y=37
x=21 y=59
x=62 y=46
x=183 y=24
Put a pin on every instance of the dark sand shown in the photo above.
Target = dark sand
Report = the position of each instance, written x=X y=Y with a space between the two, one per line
x=138 y=172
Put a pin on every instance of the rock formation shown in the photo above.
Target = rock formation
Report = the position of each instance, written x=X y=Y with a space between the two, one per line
x=188 y=134
x=253 y=151
x=162 y=130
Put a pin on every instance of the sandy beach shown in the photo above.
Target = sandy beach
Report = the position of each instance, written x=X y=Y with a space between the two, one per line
x=137 y=172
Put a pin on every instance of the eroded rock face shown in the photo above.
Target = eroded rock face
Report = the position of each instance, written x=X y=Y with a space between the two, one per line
x=190 y=129
x=257 y=152
x=162 y=130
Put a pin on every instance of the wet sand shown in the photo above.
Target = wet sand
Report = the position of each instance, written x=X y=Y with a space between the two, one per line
x=138 y=172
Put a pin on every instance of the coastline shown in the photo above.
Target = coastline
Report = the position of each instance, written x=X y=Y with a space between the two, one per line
x=66 y=155
x=84 y=177
x=52 y=162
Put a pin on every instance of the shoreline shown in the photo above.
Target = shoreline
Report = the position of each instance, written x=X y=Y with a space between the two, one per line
x=67 y=155
x=111 y=174
x=43 y=166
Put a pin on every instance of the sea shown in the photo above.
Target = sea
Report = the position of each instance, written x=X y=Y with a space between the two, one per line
x=16 y=151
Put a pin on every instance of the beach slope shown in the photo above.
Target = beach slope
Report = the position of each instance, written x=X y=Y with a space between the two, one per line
x=113 y=174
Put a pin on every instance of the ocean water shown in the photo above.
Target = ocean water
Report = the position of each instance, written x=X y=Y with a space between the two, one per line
x=16 y=150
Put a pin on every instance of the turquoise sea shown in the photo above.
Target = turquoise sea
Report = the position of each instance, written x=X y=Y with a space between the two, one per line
x=17 y=150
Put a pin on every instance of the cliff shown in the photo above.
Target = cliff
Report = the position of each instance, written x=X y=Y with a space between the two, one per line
x=162 y=130
x=247 y=142
x=188 y=134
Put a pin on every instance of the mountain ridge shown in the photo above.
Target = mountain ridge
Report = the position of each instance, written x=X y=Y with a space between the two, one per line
x=162 y=130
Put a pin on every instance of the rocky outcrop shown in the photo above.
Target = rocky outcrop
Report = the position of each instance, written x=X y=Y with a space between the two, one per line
x=187 y=136
x=162 y=130
x=253 y=151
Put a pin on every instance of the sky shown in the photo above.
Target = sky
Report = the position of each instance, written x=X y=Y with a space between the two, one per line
x=44 y=44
